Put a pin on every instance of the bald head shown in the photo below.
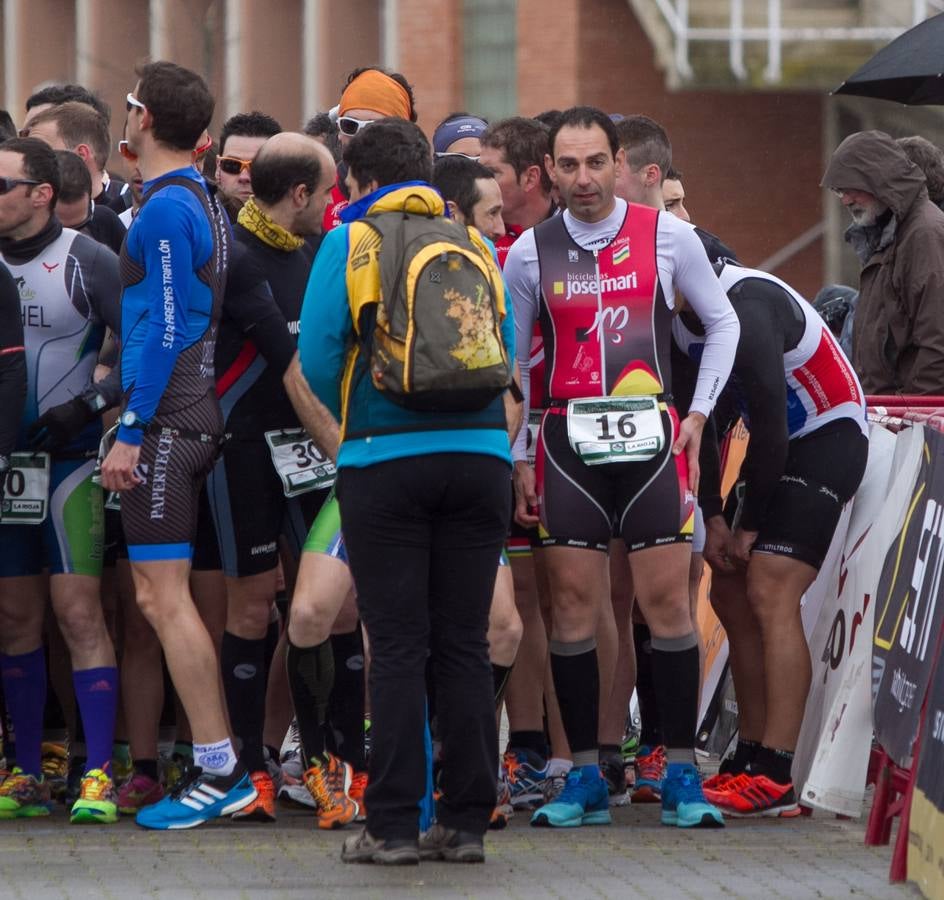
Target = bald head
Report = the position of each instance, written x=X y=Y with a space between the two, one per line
x=292 y=177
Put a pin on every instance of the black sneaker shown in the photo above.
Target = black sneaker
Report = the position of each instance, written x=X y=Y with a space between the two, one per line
x=362 y=848
x=613 y=769
x=451 y=845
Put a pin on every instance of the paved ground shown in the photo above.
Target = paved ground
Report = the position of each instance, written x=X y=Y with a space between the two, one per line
x=636 y=857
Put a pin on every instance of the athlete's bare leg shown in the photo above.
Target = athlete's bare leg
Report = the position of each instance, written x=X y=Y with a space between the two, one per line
x=614 y=711
x=525 y=692
x=504 y=623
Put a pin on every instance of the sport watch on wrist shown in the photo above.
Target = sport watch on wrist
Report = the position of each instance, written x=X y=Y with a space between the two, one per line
x=130 y=419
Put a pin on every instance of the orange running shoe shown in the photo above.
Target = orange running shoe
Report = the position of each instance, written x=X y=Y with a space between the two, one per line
x=650 y=773
x=719 y=785
x=358 y=786
x=262 y=809
x=757 y=795
x=503 y=810
x=329 y=782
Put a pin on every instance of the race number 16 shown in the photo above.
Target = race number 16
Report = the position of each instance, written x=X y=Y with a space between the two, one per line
x=624 y=425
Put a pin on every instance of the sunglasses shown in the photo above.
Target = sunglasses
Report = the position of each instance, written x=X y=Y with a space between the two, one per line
x=203 y=149
x=127 y=152
x=132 y=101
x=7 y=184
x=232 y=165
x=446 y=153
x=350 y=126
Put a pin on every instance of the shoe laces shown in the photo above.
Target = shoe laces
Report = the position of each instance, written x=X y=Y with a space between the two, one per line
x=316 y=782
x=15 y=782
x=688 y=787
x=95 y=785
x=190 y=777
x=737 y=783
x=264 y=785
x=574 y=790
x=652 y=766
x=510 y=766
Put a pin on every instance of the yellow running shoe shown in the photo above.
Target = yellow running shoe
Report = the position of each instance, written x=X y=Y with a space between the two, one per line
x=329 y=781
x=23 y=796
x=98 y=799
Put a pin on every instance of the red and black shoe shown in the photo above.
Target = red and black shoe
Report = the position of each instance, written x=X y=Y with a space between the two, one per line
x=757 y=795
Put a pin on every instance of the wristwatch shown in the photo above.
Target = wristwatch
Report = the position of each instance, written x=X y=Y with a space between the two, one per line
x=130 y=419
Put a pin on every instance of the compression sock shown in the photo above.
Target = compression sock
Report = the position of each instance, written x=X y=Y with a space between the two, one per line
x=577 y=684
x=346 y=705
x=744 y=754
x=146 y=767
x=535 y=741
x=775 y=764
x=500 y=676
x=271 y=642
x=24 y=686
x=217 y=759
x=310 y=679
x=675 y=678
x=242 y=661
x=96 y=691
x=650 y=734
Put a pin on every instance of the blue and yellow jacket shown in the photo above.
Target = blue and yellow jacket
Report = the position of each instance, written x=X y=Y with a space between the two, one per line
x=333 y=364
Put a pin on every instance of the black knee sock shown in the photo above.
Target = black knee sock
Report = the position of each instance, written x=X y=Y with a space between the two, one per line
x=744 y=754
x=775 y=764
x=500 y=676
x=577 y=684
x=310 y=679
x=271 y=642
x=675 y=678
x=346 y=706
x=535 y=741
x=651 y=732
x=242 y=661
x=146 y=767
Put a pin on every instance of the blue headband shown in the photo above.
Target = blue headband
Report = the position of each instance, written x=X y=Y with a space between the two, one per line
x=455 y=129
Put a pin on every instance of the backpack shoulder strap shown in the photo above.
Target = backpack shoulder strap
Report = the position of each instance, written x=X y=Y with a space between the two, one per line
x=498 y=281
x=362 y=275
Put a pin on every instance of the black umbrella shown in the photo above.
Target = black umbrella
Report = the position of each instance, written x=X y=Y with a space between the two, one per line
x=909 y=70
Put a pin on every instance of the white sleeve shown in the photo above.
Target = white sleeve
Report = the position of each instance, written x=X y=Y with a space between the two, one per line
x=684 y=264
x=523 y=277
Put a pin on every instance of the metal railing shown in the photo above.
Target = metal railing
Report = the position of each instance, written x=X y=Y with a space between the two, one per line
x=676 y=14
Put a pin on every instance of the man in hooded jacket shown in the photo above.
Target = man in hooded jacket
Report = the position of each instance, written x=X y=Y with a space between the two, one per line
x=898 y=235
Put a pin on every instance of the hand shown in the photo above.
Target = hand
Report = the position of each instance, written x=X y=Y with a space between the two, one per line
x=526 y=498
x=59 y=425
x=739 y=546
x=118 y=468
x=717 y=543
x=689 y=440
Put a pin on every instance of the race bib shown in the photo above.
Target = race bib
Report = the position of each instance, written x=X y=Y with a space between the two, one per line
x=615 y=429
x=534 y=429
x=26 y=490
x=298 y=462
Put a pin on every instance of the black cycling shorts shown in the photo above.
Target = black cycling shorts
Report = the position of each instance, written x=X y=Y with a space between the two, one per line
x=823 y=471
x=647 y=504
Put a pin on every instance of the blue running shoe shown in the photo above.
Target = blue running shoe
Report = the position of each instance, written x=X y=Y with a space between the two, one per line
x=683 y=801
x=525 y=773
x=584 y=801
x=199 y=798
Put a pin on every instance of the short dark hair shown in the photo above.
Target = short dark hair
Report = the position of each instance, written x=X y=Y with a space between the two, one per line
x=396 y=76
x=455 y=178
x=77 y=123
x=179 y=101
x=929 y=158
x=322 y=125
x=7 y=127
x=389 y=151
x=523 y=142
x=75 y=180
x=250 y=124
x=39 y=162
x=585 y=117
x=645 y=142
x=549 y=117
x=57 y=94
x=673 y=174
x=275 y=173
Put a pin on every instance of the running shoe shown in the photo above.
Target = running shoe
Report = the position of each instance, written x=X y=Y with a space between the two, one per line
x=524 y=773
x=201 y=796
x=757 y=795
x=97 y=801
x=650 y=772
x=613 y=771
x=138 y=791
x=554 y=784
x=362 y=848
x=23 y=796
x=292 y=790
x=176 y=769
x=356 y=793
x=451 y=845
x=503 y=810
x=584 y=801
x=262 y=809
x=122 y=767
x=329 y=783
x=55 y=764
x=684 y=803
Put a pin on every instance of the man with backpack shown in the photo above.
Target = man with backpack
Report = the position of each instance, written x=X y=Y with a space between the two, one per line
x=406 y=338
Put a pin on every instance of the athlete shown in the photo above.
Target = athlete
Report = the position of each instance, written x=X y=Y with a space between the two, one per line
x=265 y=484
x=53 y=517
x=12 y=372
x=174 y=265
x=612 y=453
x=804 y=407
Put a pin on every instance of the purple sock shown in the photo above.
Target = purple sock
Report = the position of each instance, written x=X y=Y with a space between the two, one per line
x=24 y=685
x=96 y=691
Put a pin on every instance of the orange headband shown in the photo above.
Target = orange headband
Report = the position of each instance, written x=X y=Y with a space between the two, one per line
x=377 y=91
